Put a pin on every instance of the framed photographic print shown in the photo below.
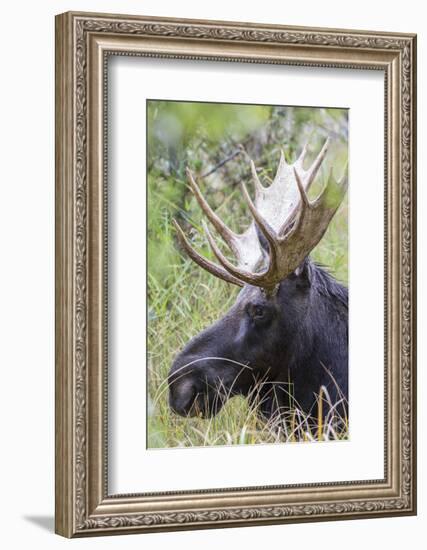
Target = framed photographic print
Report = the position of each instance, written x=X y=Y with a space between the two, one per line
x=235 y=274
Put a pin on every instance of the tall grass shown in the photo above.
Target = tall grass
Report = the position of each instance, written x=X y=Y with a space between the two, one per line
x=183 y=299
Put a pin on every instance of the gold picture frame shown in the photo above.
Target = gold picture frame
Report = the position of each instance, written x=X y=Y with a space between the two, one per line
x=83 y=43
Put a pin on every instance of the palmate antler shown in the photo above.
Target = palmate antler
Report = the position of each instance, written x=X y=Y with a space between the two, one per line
x=291 y=224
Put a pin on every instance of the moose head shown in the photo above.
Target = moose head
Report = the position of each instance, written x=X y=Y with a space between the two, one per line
x=289 y=321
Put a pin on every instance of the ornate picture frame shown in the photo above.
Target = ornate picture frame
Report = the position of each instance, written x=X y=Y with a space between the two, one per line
x=84 y=42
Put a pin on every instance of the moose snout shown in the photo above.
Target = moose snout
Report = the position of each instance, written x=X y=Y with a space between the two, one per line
x=201 y=378
x=182 y=394
x=195 y=390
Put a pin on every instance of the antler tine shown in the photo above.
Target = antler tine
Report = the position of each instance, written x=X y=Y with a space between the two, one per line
x=264 y=226
x=246 y=276
x=305 y=203
x=335 y=190
x=282 y=157
x=226 y=233
x=304 y=198
x=259 y=188
x=202 y=261
x=304 y=179
x=314 y=168
x=332 y=193
x=282 y=162
x=302 y=156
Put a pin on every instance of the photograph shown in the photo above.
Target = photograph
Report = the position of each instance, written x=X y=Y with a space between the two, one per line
x=247 y=274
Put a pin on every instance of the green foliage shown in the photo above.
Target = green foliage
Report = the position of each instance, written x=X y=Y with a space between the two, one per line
x=183 y=299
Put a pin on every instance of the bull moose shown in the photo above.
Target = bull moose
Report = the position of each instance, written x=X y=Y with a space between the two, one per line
x=289 y=324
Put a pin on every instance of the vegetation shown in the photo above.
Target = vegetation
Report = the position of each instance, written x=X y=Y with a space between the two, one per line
x=213 y=139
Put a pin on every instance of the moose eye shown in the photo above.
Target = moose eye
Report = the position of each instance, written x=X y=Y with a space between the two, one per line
x=258 y=312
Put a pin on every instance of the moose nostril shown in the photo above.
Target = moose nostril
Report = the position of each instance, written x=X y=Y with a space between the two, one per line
x=182 y=397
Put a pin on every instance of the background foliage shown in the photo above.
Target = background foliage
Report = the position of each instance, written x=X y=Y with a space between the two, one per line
x=183 y=299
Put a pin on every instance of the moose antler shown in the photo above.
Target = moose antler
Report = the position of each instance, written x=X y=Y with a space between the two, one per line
x=291 y=224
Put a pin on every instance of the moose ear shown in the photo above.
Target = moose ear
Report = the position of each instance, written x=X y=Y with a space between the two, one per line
x=303 y=275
